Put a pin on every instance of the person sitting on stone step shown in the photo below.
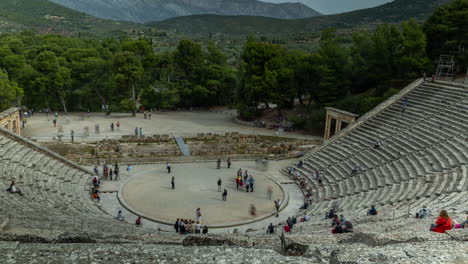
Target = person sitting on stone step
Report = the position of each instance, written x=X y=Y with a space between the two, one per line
x=96 y=195
x=465 y=223
x=423 y=213
x=348 y=227
x=96 y=181
x=355 y=170
x=342 y=219
x=372 y=211
x=443 y=223
x=138 y=221
x=120 y=217
x=330 y=214
x=14 y=189
x=336 y=220
x=377 y=145
x=300 y=163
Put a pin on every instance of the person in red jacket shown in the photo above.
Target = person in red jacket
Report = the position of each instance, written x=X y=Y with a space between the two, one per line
x=443 y=223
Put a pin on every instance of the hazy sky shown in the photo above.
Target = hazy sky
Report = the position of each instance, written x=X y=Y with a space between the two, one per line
x=335 y=6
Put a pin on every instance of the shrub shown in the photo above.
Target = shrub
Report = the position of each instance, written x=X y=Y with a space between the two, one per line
x=247 y=113
x=298 y=122
x=368 y=103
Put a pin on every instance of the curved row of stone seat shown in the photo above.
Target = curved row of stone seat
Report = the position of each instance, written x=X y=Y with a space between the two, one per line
x=387 y=118
x=370 y=150
x=54 y=193
x=422 y=152
x=397 y=193
x=360 y=137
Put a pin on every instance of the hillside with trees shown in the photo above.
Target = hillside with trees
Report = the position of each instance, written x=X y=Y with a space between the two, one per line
x=80 y=74
x=142 y=11
x=46 y=17
x=393 y=12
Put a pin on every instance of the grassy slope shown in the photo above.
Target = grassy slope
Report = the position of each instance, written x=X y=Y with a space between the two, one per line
x=396 y=11
x=32 y=14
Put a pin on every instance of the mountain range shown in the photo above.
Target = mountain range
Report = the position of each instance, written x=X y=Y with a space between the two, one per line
x=142 y=11
x=393 y=12
x=45 y=17
x=336 y=6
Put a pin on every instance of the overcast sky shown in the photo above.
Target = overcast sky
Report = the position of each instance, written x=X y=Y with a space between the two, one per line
x=335 y=6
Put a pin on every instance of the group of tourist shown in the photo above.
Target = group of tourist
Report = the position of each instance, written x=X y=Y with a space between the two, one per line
x=25 y=115
x=288 y=224
x=185 y=227
x=138 y=131
x=340 y=224
x=317 y=176
x=108 y=173
x=280 y=123
x=54 y=121
x=228 y=163
x=189 y=226
x=245 y=179
x=219 y=182
x=117 y=124
x=147 y=115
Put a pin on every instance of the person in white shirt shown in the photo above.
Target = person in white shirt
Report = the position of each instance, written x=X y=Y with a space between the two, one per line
x=198 y=214
x=197 y=228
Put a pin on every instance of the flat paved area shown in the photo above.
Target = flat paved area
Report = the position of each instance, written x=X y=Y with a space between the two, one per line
x=150 y=192
x=183 y=124
x=110 y=204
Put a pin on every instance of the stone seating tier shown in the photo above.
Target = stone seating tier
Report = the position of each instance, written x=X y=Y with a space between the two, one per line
x=423 y=154
x=54 y=193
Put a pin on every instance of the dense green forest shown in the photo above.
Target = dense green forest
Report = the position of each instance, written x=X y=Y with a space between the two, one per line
x=80 y=74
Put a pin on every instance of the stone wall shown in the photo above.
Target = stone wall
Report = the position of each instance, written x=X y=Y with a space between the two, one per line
x=158 y=148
